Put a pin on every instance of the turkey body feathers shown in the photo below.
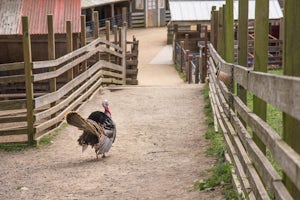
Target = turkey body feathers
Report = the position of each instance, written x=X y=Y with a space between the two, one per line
x=99 y=130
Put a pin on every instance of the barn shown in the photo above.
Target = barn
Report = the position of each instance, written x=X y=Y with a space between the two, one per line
x=11 y=12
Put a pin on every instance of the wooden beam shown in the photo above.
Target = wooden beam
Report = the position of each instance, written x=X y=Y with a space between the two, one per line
x=28 y=80
x=291 y=126
x=69 y=47
x=243 y=44
x=220 y=32
x=229 y=35
x=261 y=32
x=83 y=39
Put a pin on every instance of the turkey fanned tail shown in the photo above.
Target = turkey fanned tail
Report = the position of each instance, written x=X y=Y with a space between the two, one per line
x=94 y=132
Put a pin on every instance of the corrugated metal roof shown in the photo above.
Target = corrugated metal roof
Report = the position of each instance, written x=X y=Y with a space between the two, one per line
x=200 y=10
x=95 y=3
x=62 y=10
x=11 y=12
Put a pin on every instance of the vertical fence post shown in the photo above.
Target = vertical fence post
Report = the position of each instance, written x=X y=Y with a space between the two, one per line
x=28 y=80
x=120 y=43
x=69 y=47
x=51 y=53
x=123 y=45
x=107 y=32
x=243 y=45
x=124 y=13
x=187 y=54
x=181 y=54
x=116 y=40
x=96 y=24
x=83 y=39
x=291 y=126
x=220 y=32
x=229 y=35
x=213 y=27
x=205 y=52
x=186 y=41
x=261 y=32
x=189 y=67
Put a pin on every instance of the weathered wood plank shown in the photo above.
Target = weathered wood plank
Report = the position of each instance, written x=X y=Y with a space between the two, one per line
x=56 y=95
x=12 y=79
x=70 y=65
x=17 y=131
x=67 y=57
x=280 y=91
x=69 y=99
x=11 y=66
x=11 y=119
x=75 y=103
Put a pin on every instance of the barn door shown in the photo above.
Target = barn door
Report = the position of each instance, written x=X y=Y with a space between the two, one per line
x=152 y=13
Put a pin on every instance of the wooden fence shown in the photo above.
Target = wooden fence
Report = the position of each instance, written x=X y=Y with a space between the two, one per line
x=55 y=87
x=257 y=177
x=190 y=53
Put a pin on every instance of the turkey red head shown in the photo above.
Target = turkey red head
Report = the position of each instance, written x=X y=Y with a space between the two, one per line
x=106 y=107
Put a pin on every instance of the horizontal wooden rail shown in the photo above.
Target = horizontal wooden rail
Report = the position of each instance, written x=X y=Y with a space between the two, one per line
x=280 y=91
x=253 y=162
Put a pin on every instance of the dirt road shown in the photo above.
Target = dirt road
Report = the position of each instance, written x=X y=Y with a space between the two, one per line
x=158 y=154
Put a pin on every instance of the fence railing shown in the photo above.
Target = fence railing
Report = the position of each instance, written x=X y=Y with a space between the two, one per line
x=54 y=87
x=257 y=177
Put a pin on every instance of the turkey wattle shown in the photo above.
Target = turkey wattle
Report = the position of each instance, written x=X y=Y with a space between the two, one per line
x=99 y=130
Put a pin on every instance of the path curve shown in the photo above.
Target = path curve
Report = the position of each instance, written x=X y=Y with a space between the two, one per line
x=159 y=150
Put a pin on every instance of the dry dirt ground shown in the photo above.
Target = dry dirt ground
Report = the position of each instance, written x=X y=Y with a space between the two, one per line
x=158 y=154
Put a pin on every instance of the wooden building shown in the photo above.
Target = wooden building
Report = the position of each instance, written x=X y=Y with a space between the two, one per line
x=139 y=13
x=11 y=13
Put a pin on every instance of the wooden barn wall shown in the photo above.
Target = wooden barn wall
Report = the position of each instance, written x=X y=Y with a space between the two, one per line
x=12 y=50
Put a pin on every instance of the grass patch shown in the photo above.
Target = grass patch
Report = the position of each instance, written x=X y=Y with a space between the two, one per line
x=48 y=139
x=221 y=172
x=44 y=141
x=180 y=72
x=10 y=147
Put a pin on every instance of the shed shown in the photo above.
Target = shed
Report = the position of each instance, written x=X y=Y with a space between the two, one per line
x=193 y=12
x=11 y=13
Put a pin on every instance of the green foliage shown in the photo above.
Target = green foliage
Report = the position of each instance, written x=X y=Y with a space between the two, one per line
x=46 y=140
x=180 y=72
x=15 y=146
x=221 y=172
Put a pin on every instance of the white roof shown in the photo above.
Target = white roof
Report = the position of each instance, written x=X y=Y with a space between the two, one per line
x=95 y=3
x=200 y=10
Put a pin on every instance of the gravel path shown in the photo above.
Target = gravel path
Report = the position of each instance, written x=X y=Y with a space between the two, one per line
x=158 y=154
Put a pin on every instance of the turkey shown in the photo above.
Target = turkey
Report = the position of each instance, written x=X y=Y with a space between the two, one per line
x=99 y=130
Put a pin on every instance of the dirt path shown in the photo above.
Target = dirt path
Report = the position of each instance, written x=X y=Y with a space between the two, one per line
x=158 y=154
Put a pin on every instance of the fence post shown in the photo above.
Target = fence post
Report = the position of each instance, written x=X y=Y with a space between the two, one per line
x=51 y=53
x=214 y=27
x=69 y=47
x=181 y=54
x=186 y=41
x=187 y=54
x=28 y=80
x=83 y=39
x=124 y=13
x=123 y=45
x=291 y=126
x=116 y=40
x=220 y=32
x=107 y=31
x=96 y=24
x=229 y=35
x=261 y=31
x=243 y=45
x=190 y=58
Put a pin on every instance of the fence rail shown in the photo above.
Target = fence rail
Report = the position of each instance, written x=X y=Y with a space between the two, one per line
x=255 y=172
x=54 y=87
